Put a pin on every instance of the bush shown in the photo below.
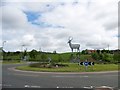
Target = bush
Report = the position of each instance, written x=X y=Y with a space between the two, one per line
x=95 y=56
x=47 y=65
x=116 y=57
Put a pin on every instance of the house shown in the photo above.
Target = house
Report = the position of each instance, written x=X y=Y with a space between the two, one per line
x=88 y=51
x=91 y=51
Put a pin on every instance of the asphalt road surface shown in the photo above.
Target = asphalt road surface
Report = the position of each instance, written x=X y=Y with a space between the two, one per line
x=19 y=79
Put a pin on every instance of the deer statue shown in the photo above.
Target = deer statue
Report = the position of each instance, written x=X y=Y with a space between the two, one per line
x=73 y=46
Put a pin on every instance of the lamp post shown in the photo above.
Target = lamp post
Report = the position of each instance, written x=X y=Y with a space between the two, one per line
x=3 y=44
x=23 y=45
x=22 y=51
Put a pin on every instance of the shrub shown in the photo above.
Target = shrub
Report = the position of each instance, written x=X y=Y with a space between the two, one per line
x=47 y=65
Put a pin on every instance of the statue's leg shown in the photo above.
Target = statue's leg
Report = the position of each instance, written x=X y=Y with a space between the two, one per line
x=78 y=52
x=72 y=50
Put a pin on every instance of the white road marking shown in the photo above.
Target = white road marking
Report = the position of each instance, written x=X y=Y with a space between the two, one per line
x=57 y=87
x=6 y=85
x=64 y=87
x=26 y=86
x=105 y=87
x=87 y=87
x=35 y=86
x=31 y=86
x=27 y=75
x=70 y=76
x=85 y=76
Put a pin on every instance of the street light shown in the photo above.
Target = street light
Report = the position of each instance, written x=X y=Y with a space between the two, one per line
x=2 y=48
x=23 y=45
x=3 y=44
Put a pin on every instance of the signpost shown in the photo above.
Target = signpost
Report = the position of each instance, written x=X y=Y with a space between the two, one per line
x=86 y=65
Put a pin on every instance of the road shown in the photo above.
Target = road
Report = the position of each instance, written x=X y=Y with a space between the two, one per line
x=17 y=79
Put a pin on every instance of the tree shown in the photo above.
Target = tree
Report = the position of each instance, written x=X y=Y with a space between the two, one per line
x=43 y=57
x=103 y=51
x=33 y=54
x=98 y=51
x=16 y=53
x=107 y=57
x=95 y=56
x=86 y=51
x=116 y=57
x=83 y=52
x=25 y=53
x=60 y=59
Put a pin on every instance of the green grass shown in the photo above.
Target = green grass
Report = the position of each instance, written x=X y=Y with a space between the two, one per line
x=64 y=56
x=12 y=62
x=73 y=68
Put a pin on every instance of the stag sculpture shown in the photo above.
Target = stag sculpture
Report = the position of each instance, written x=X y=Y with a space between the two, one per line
x=73 y=46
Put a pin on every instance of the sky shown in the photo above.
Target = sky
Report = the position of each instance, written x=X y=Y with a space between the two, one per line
x=46 y=25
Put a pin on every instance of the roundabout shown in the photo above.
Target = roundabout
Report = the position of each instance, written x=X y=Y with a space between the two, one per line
x=13 y=78
x=68 y=67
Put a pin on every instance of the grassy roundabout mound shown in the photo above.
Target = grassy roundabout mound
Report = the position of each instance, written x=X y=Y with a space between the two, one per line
x=68 y=67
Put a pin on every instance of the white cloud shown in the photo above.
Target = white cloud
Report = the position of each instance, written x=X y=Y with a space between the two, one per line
x=92 y=24
x=13 y=18
x=82 y=24
x=28 y=40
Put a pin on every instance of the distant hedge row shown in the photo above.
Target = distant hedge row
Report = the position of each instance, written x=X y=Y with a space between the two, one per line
x=61 y=57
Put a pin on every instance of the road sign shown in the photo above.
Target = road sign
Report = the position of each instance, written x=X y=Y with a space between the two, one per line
x=92 y=63
x=81 y=63
x=86 y=63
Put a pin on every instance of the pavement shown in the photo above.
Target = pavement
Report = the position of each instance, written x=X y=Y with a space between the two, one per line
x=12 y=78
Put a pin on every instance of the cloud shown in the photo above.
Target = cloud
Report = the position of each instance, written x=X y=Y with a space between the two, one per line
x=92 y=24
x=81 y=22
x=13 y=18
x=28 y=40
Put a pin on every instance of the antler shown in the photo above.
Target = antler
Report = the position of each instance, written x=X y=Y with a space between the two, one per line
x=70 y=38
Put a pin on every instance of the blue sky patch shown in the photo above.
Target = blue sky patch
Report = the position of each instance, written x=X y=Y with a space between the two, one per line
x=46 y=25
x=31 y=16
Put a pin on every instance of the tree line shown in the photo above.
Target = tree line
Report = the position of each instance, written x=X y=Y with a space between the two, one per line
x=34 y=55
x=110 y=56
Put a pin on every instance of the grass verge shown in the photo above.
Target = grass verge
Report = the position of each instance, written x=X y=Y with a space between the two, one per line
x=12 y=62
x=73 y=68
